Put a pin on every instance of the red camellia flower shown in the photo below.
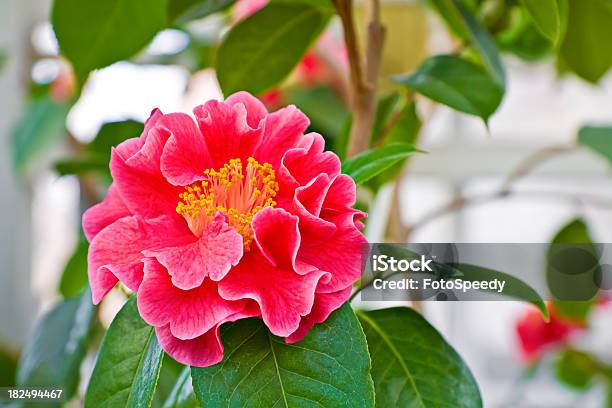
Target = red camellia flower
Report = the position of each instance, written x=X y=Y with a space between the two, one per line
x=236 y=214
x=536 y=335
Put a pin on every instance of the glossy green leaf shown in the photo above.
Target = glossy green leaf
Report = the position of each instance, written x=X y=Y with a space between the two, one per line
x=372 y=162
x=74 y=277
x=514 y=288
x=484 y=44
x=550 y=16
x=254 y=55
x=329 y=368
x=585 y=49
x=412 y=365
x=128 y=363
x=53 y=354
x=40 y=128
x=572 y=263
x=457 y=83
x=182 y=395
x=95 y=34
x=576 y=369
x=598 y=139
x=182 y=11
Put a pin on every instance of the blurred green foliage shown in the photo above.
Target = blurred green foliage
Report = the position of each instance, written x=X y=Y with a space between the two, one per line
x=254 y=56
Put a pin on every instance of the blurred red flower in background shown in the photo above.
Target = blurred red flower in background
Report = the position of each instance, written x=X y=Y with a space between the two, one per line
x=536 y=336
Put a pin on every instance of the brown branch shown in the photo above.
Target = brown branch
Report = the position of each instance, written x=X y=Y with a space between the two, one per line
x=363 y=73
x=534 y=160
x=524 y=168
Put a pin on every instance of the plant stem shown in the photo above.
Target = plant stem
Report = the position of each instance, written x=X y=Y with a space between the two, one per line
x=363 y=72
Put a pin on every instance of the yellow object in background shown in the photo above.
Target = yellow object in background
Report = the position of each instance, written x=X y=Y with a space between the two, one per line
x=406 y=37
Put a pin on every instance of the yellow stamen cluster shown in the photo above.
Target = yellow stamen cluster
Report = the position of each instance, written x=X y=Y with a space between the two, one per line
x=239 y=193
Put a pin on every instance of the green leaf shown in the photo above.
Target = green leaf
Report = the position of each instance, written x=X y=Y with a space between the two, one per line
x=53 y=354
x=182 y=11
x=85 y=163
x=384 y=109
x=182 y=395
x=329 y=368
x=8 y=367
x=74 y=278
x=585 y=50
x=341 y=142
x=572 y=264
x=254 y=55
x=451 y=16
x=326 y=5
x=573 y=311
x=405 y=130
x=523 y=38
x=40 y=128
x=457 y=83
x=324 y=109
x=598 y=139
x=412 y=365
x=514 y=288
x=483 y=43
x=113 y=133
x=550 y=16
x=372 y=162
x=576 y=369
x=95 y=34
x=3 y=59
x=128 y=363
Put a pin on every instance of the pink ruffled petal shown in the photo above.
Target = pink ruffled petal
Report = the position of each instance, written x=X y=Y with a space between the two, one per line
x=190 y=313
x=341 y=255
x=256 y=110
x=105 y=213
x=324 y=305
x=185 y=156
x=150 y=145
x=144 y=193
x=116 y=250
x=212 y=255
x=204 y=350
x=307 y=203
x=268 y=225
x=226 y=131
x=284 y=128
x=283 y=295
x=341 y=196
x=300 y=165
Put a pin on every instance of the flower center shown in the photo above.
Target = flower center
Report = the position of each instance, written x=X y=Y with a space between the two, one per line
x=236 y=191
